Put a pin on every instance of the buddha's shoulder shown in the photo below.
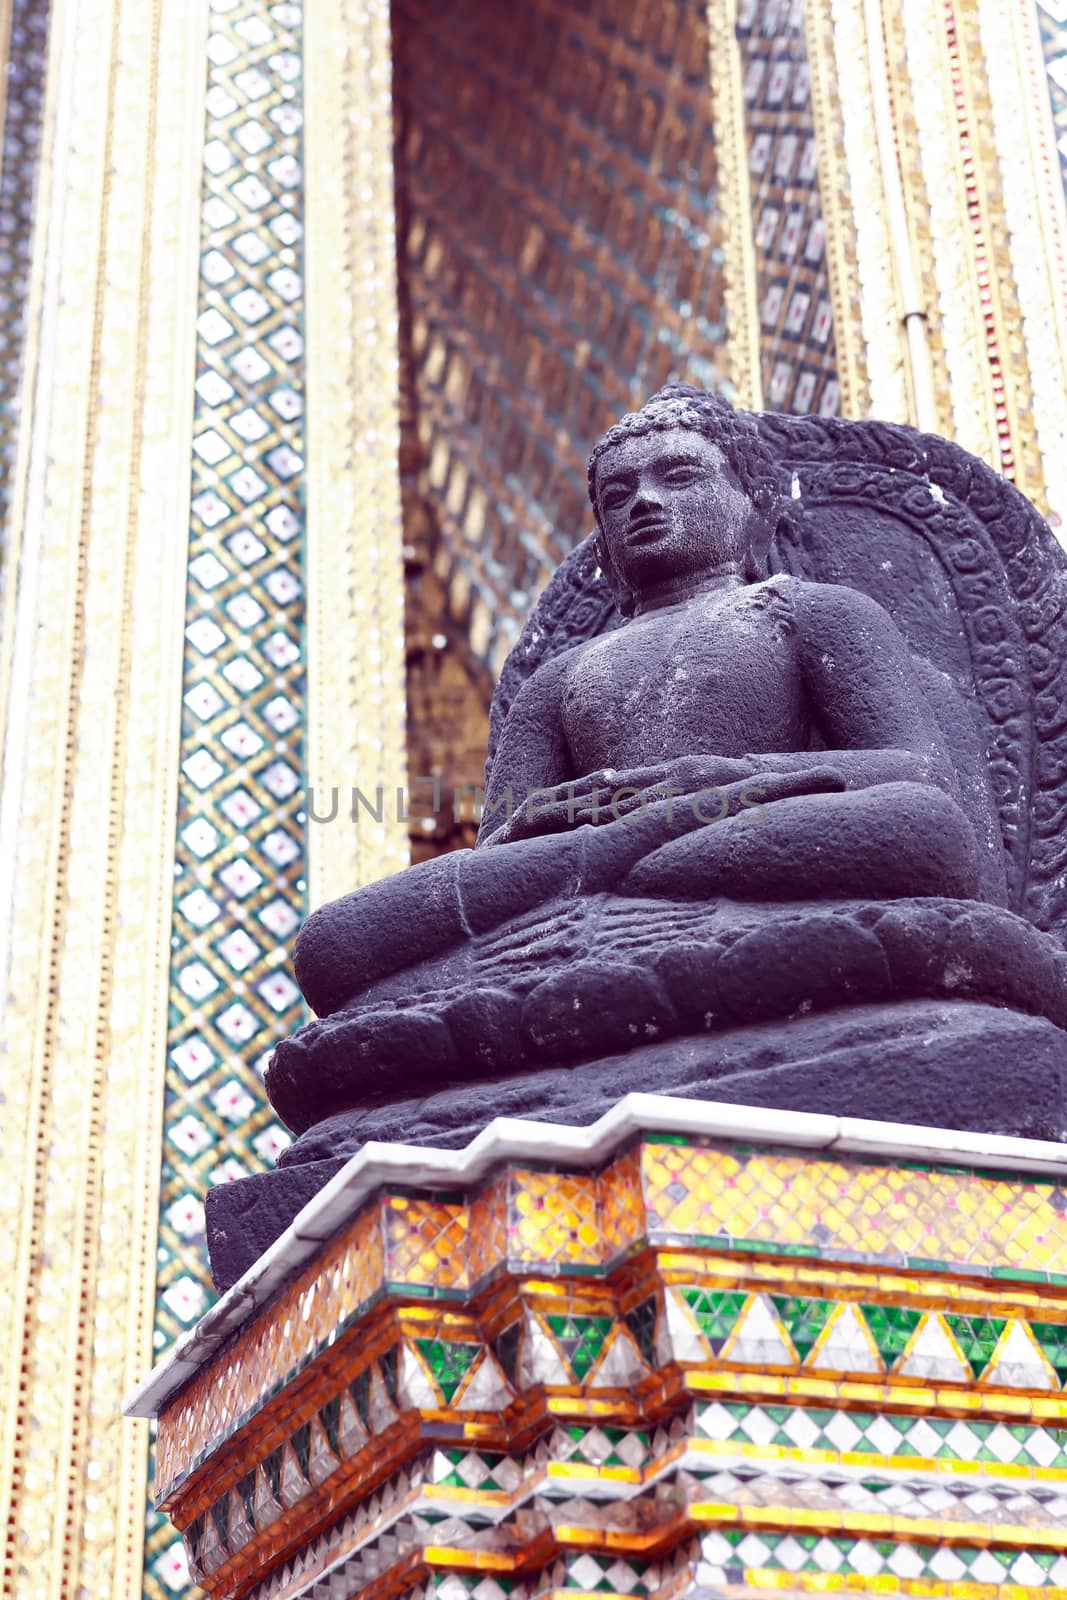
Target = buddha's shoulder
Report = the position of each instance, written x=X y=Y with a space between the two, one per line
x=822 y=599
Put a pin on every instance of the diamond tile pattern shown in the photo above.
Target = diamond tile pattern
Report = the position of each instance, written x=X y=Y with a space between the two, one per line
x=1052 y=20
x=26 y=60
x=824 y=1418
x=239 y=887
x=797 y=354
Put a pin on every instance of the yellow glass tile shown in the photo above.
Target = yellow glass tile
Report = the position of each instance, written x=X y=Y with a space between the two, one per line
x=552 y=1217
x=622 y=1203
x=426 y=1241
x=487 y=1245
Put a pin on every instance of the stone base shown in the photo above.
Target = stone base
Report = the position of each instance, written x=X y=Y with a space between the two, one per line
x=956 y=1065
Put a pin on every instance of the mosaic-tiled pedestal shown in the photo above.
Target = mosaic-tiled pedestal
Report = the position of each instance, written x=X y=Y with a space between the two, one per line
x=694 y=1350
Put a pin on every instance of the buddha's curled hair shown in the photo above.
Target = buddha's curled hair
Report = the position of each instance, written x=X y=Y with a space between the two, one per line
x=749 y=457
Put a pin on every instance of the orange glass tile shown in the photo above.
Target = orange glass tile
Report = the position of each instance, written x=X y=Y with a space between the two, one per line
x=552 y=1217
x=487 y=1243
x=622 y=1203
x=318 y=1300
x=426 y=1241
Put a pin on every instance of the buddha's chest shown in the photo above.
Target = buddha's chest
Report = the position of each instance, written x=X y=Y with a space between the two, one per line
x=709 y=677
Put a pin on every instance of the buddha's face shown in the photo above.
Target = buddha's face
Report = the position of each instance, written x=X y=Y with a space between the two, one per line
x=670 y=508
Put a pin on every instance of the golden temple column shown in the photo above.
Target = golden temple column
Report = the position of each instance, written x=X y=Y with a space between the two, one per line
x=944 y=216
x=92 y=664
x=355 y=733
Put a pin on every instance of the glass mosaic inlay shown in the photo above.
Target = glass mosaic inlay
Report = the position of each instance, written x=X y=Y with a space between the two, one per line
x=26 y=62
x=240 y=852
x=1052 y=20
x=797 y=354
x=726 y=1357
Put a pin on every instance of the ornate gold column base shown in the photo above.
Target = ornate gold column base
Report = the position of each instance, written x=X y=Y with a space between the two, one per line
x=87 y=811
x=792 y=1355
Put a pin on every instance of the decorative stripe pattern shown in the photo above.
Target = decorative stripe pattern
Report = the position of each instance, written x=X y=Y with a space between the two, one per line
x=100 y=512
x=240 y=853
x=708 y=1364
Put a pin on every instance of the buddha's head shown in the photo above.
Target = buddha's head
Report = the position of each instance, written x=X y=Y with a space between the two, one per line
x=683 y=489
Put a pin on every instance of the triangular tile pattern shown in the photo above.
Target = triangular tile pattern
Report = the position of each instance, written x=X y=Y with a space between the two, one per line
x=933 y=1353
x=540 y=1358
x=681 y=1338
x=715 y=1312
x=449 y=1362
x=758 y=1338
x=1018 y=1362
x=580 y=1340
x=506 y=1350
x=803 y=1320
x=892 y=1328
x=417 y=1388
x=642 y=1321
x=620 y=1365
x=1052 y=1339
x=976 y=1337
x=846 y=1344
x=486 y=1388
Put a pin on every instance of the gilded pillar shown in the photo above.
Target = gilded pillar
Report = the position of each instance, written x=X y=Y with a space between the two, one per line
x=92 y=662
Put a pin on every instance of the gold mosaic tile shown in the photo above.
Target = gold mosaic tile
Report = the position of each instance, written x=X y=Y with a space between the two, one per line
x=774 y=1241
x=552 y=1218
x=851 y=1206
x=622 y=1206
x=426 y=1241
x=487 y=1246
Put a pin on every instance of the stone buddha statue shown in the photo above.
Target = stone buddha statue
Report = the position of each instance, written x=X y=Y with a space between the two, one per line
x=756 y=823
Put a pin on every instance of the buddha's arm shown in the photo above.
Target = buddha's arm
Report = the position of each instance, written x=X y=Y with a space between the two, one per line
x=531 y=758
x=865 y=696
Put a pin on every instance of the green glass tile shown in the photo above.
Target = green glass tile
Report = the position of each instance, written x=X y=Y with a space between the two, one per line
x=389 y=1367
x=892 y=1327
x=1052 y=1338
x=977 y=1338
x=449 y=1362
x=272 y=1466
x=301 y=1442
x=716 y=1312
x=330 y=1415
x=581 y=1340
x=506 y=1350
x=803 y=1320
x=359 y=1389
x=641 y=1322
x=1026 y=1275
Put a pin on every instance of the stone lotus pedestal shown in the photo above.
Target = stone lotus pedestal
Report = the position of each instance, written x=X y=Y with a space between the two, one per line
x=690 y=1350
